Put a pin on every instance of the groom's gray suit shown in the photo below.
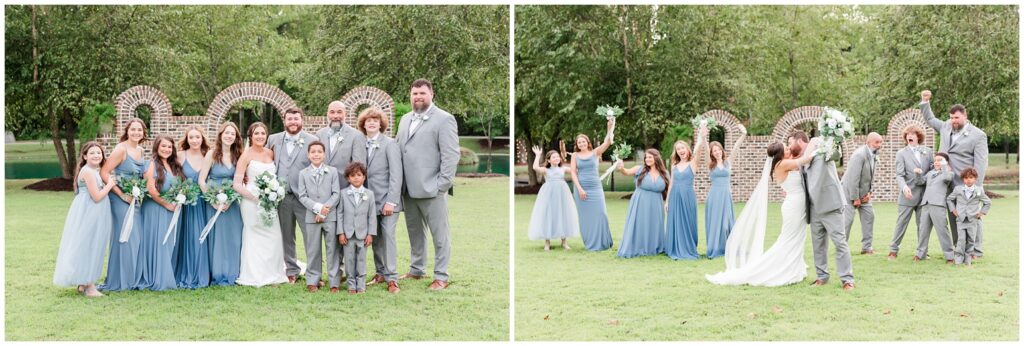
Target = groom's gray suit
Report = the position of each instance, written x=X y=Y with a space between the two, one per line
x=289 y=164
x=826 y=216
x=860 y=172
x=967 y=148
x=430 y=154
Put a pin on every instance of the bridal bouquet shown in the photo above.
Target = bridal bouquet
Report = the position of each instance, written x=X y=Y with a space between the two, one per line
x=833 y=126
x=270 y=190
x=217 y=194
x=133 y=185
x=182 y=192
x=703 y=121
x=609 y=112
x=620 y=152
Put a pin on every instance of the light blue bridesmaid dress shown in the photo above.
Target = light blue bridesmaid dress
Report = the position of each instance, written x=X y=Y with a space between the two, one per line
x=122 y=270
x=192 y=269
x=592 y=214
x=718 y=213
x=156 y=259
x=681 y=236
x=86 y=235
x=225 y=238
x=645 y=219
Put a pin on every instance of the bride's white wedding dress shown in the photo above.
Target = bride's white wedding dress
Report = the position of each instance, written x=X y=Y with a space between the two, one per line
x=783 y=263
x=262 y=260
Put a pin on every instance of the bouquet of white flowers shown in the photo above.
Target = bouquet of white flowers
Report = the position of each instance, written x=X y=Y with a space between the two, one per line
x=609 y=112
x=270 y=190
x=703 y=121
x=833 y=127
x=218 y=194
x=620 y=152
x=182 y=192
x=135 y=186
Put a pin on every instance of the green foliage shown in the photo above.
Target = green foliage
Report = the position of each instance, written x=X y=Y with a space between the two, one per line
x=98 y=117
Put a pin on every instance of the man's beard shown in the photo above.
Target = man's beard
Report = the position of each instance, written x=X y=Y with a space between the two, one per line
x=335 y=125
x=422 y=108
x=957 y=127
x=289 y=129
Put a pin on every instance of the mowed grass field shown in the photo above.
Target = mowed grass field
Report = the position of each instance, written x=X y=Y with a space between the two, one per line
x=475 y=307
x=581 y=295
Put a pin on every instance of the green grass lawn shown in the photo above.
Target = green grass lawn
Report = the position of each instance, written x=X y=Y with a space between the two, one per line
x=581 y=295
x=475 y=307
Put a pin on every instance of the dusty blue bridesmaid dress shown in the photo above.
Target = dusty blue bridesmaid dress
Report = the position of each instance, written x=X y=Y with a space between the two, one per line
x=592 y=214
x=225 y=238
x=681 y=235
x=645 y=219
x=86 y=233
x=122 y=265
x=192 y=269
x=156 y=260
x=718 y=213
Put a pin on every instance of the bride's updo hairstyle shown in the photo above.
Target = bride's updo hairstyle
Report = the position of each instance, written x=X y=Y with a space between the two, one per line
x=777 y=152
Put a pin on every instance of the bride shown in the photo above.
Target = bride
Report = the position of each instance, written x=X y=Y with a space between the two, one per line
x=262 y=259
x=783 y=263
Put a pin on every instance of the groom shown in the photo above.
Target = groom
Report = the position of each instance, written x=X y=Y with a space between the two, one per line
x=290 y=158
x=825 y=212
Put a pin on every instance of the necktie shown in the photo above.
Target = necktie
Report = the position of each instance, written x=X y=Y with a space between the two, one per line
x=416 y=120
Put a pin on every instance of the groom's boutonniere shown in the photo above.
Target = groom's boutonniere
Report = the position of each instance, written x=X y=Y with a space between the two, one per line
x=301 y=142
x=425 y=117
x=340 y=139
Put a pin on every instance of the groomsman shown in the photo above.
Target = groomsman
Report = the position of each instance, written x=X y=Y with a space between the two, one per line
x=290 y=158
x=860 y=172
x=966 y=145
x=429 y=141
x=913 y=162
x=344 y=143
x=384 y=178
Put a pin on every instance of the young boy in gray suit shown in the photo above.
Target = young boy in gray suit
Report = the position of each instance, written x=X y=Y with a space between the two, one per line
x=357 y=224
x=969 y=204
x=318 y=191
x=933 y=208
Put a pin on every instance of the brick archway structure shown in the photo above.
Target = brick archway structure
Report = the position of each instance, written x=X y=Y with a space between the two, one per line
x=245 y=91
x=729 y=125
x=125 y=105
x=367 y=95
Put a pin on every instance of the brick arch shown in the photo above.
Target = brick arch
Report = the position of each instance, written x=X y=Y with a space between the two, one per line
x=245 y=91
x=125 y=105
x=793 y=118
x=367 y=95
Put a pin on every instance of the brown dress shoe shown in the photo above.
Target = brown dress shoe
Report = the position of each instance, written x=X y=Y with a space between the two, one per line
x=818 y=282
x=291 y=279
x=438 y=285
x=335 y=290
x=867 y=252
x=352 y=291
x=892 y=256
x=312 y=288
x=949 y=261
x=393 y=287
x=847 y=286
x=410 y=276
x=917 y=259
x=377 y=279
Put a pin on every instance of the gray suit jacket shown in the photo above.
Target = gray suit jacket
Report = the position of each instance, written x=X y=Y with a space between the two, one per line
x=970 y=150
x=385 y=173
x=288 y=166
x=357 y=220
x=937 y=187
x=968 y=208
x=905 y=176
x=430 y=154
x=326 y=192
x=352 y=148
x=860 y=171
x=823 y=184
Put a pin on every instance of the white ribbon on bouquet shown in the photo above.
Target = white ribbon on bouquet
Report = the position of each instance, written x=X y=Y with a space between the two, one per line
x=174 y=218
x=129 y=217
x=608 y=172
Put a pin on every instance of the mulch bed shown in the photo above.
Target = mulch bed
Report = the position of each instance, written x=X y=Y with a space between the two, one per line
x=54 y=184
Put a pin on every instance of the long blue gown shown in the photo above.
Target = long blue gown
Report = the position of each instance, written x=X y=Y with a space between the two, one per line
x=718 y=213
x=156 y=260
x=645 y=219
x=122 y=270
x=86 y=233
x=681 y=236
x=192 y=269
x=225 y=238
x=592 y=214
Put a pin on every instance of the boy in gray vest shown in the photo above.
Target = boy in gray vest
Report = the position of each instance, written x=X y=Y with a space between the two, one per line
x=969 y=204
x=357 y=224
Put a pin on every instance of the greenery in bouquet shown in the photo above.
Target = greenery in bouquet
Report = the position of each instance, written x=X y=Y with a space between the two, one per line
x=221 y=193
x=609 y=111
x=706 y=121
x=182 y=191
x=134 y=185
x=270 y=190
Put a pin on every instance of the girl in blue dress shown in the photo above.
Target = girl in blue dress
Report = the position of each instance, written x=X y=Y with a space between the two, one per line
x=718 y=212
x=156 y=260
x=681 y=235
x=645 y=217
x=589 y=192
x=554 y=213
x=125 y=160
x=192 y=265
x=87 y=227
x=225 y=239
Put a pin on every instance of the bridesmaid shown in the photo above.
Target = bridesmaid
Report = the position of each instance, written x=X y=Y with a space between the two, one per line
x=87 y=227
x=554 y=214
x=192 y=259
x=645 y=217
x=589 y=193
x=156 y=261
x=225 y=239
x=718 y=213
x=681 y=236
x=126 y=159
